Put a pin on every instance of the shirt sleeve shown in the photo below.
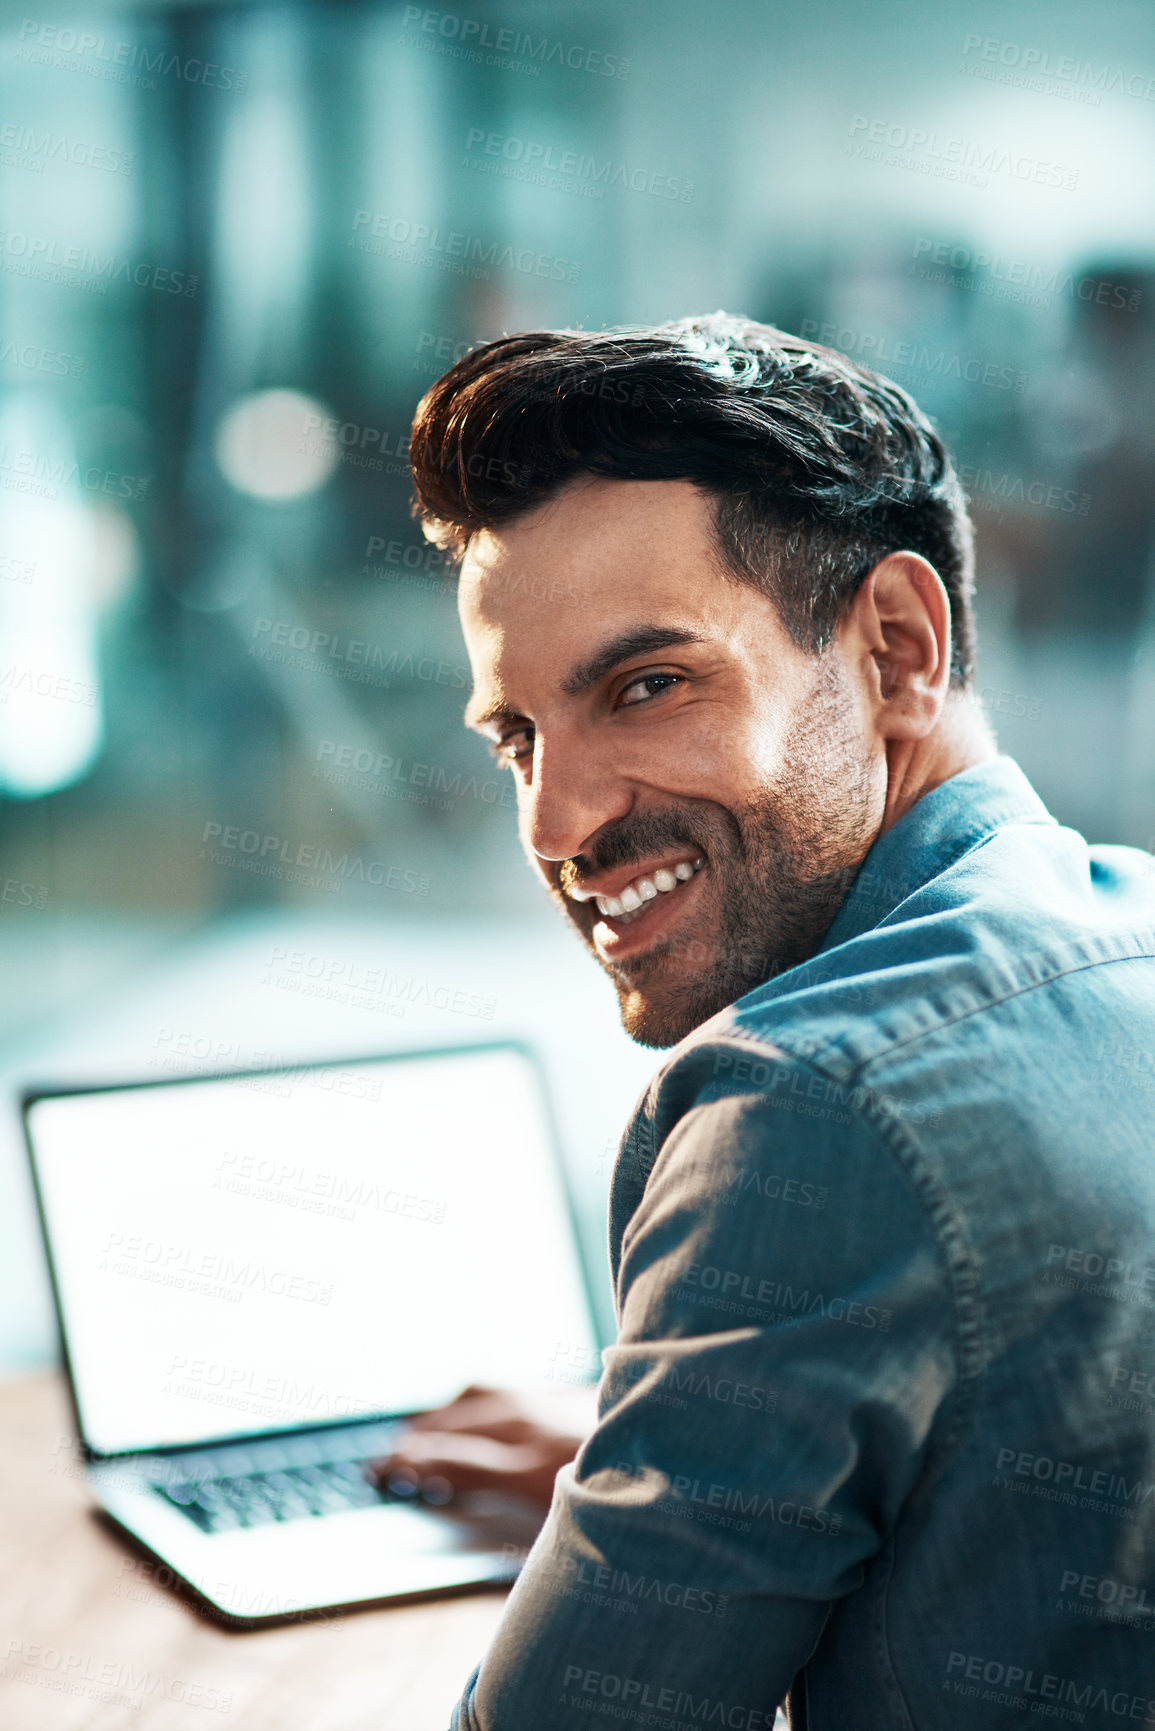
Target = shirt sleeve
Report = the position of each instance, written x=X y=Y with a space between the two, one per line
x=786 y=1342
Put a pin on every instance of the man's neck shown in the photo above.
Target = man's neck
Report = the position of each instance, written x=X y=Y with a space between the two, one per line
x=915 y=766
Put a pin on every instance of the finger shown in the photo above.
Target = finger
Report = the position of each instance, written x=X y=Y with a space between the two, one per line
x=471 y=1463
x=436 y=1451
x=473 y=1392
x=487 y=1412
x=472 y=1399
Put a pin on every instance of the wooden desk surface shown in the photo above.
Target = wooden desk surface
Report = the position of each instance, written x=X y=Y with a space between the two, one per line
x=90 y=1641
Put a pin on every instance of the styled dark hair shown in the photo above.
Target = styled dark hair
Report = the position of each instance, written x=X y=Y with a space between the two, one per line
x=819 y=466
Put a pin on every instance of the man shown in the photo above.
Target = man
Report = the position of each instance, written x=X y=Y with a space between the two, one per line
x=875 y=1434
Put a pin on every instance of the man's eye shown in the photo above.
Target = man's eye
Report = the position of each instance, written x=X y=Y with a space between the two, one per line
x=513 y=746
x=647 y=686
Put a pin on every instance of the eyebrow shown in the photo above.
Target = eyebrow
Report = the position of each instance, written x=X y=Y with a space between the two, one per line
x=480 y=718
x=637 y=640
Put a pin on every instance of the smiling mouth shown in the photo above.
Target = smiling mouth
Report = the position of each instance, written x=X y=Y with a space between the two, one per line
x=633 y=899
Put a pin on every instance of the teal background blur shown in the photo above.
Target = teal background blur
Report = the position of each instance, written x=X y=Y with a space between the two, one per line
x=241 y=821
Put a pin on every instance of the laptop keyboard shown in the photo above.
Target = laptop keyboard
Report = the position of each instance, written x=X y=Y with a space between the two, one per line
x=283 y=1479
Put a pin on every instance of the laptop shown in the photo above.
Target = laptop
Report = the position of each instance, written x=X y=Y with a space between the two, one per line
x=258 y=1275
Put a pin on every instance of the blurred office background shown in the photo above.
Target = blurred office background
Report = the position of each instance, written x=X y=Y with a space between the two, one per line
x=241 y=819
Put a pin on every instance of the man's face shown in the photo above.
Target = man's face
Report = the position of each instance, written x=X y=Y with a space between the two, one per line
x=694 y=790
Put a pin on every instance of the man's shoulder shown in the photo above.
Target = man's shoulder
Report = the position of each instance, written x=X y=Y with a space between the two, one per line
x=854 y=1028
x=1028 y=907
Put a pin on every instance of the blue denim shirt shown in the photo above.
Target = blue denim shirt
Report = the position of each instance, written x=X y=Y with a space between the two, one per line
x=877 y=1429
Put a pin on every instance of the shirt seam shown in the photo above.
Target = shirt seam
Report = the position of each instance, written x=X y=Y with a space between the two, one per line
x=942 y=1222
x=958 y=1268
x=917 y=1176
x=958 y=1262
x=860 y=1067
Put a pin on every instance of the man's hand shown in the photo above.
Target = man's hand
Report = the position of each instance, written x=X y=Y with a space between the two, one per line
x=491 y=1439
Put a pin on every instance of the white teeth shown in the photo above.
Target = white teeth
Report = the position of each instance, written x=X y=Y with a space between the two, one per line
x=635 y=896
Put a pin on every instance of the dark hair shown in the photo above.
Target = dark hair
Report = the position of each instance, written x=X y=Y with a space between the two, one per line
x=819 y=466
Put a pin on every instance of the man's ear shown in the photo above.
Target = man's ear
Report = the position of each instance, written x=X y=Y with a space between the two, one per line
x=897 y=633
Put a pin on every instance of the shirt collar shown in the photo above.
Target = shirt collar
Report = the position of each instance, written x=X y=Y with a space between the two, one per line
x=937 y=830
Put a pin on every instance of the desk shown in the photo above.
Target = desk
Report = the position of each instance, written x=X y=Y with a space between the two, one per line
x=89 y=1641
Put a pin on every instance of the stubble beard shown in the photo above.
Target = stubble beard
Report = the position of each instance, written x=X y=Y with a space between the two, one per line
x=778 y=872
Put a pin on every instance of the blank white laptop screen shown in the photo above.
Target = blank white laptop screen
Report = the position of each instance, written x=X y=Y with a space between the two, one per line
x=255 y=1253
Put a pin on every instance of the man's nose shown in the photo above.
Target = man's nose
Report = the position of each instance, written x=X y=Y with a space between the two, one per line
x=571 y=796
